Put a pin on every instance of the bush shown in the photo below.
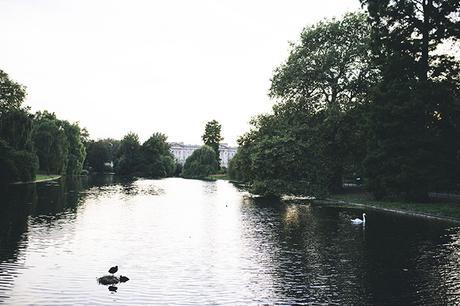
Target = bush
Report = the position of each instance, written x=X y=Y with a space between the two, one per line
x=26 y=165
x=16 y=165
x=201 y=163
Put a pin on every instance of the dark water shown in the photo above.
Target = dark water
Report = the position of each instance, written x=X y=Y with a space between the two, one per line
x=207 y=243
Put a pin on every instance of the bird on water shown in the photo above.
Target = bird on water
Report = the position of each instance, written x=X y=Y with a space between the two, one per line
x=359 y=221
x=113 y=270
x=123 y=279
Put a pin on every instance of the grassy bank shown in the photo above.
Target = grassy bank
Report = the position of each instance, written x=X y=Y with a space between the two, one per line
x=217 y=177
x=434 y=209
x=41 y=178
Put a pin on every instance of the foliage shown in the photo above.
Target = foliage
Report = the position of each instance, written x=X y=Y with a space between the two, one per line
x=17 y=159
x=329 y=69
x=26 y=165
x=50 y=143
x=414 y=118
x=99 y=153
x=158 y=160
x=304 y=146
x=16 y=128
x=212 y=136
x=77 y=151
x=8 y=170
x=16 y=165
x=201 y=163
x=178 y=169
x=129 y=158
x=12 y=94
x=58 y=144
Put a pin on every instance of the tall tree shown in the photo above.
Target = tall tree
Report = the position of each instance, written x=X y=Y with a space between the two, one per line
x=77 y=151
x=329 y=69
x=212 y=136
x=414 y=118
x=12 y=94
x=98 y=155
x=328 y=74
x=17 y=159
x=50 y=143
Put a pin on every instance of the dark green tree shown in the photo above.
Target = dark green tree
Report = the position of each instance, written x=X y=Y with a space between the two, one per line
x=16 y=165
x=305 y=146
x=17 y=159
x=129 y=156
x=328 y=74
x=158 y=160
x=16 y=128
x=50 y=143
x=212 y=137
x=76 y=150
x=414 y=117
x=98 y=154
x=12 y=94
x=201 y=163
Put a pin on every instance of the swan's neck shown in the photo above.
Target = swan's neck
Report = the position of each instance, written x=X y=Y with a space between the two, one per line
x=364 y=218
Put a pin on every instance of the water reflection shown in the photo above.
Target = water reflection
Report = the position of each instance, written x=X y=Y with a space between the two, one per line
x=25 y=206
x=195 y=242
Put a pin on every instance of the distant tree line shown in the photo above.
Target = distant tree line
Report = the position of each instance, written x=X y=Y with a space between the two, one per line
x=153 y=158
x=363 y=96
x=42 y=143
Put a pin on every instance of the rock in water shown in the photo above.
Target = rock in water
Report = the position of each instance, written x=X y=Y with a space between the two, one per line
x=108 y=280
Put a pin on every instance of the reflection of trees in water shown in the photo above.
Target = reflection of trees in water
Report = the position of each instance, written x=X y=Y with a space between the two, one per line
x=100 y=180
x=395 y=252
x=100 y=186
x=23 y=205
x=59 y=199
x=314 y=254
x=16 y=205
x=44 y=202
x=314 y=257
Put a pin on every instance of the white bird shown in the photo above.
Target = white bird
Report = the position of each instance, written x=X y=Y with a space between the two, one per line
x=359 y=221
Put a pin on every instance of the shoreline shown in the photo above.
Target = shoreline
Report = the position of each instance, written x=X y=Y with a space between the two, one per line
x=38 y=181
x=351 y=204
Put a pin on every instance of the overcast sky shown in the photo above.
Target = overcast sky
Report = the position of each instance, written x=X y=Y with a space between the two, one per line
x=153 y=66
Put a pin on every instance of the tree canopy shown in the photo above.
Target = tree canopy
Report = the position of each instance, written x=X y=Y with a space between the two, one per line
x=212 y=136
x=201 y=163
x=158 y=159
x=414 y=117
x=12 y=94
x=307 y=144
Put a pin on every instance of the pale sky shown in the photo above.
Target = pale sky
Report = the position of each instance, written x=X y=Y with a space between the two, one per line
x=153 y=66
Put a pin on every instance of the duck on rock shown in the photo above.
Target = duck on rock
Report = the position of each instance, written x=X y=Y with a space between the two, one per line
x=113 y=270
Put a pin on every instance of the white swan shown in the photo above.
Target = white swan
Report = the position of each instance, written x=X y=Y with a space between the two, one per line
x=359 y=221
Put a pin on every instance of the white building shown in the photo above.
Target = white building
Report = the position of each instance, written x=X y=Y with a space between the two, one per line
x=181 y=151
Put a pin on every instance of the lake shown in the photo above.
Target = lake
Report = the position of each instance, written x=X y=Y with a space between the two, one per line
x=191 y=242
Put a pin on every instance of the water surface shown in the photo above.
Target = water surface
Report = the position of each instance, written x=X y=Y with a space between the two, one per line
x=189 y=242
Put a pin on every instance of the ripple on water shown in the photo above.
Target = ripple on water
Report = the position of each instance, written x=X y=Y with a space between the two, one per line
x=185 y=242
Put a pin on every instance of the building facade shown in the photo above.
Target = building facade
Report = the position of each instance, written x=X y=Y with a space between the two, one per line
x=182 y=151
